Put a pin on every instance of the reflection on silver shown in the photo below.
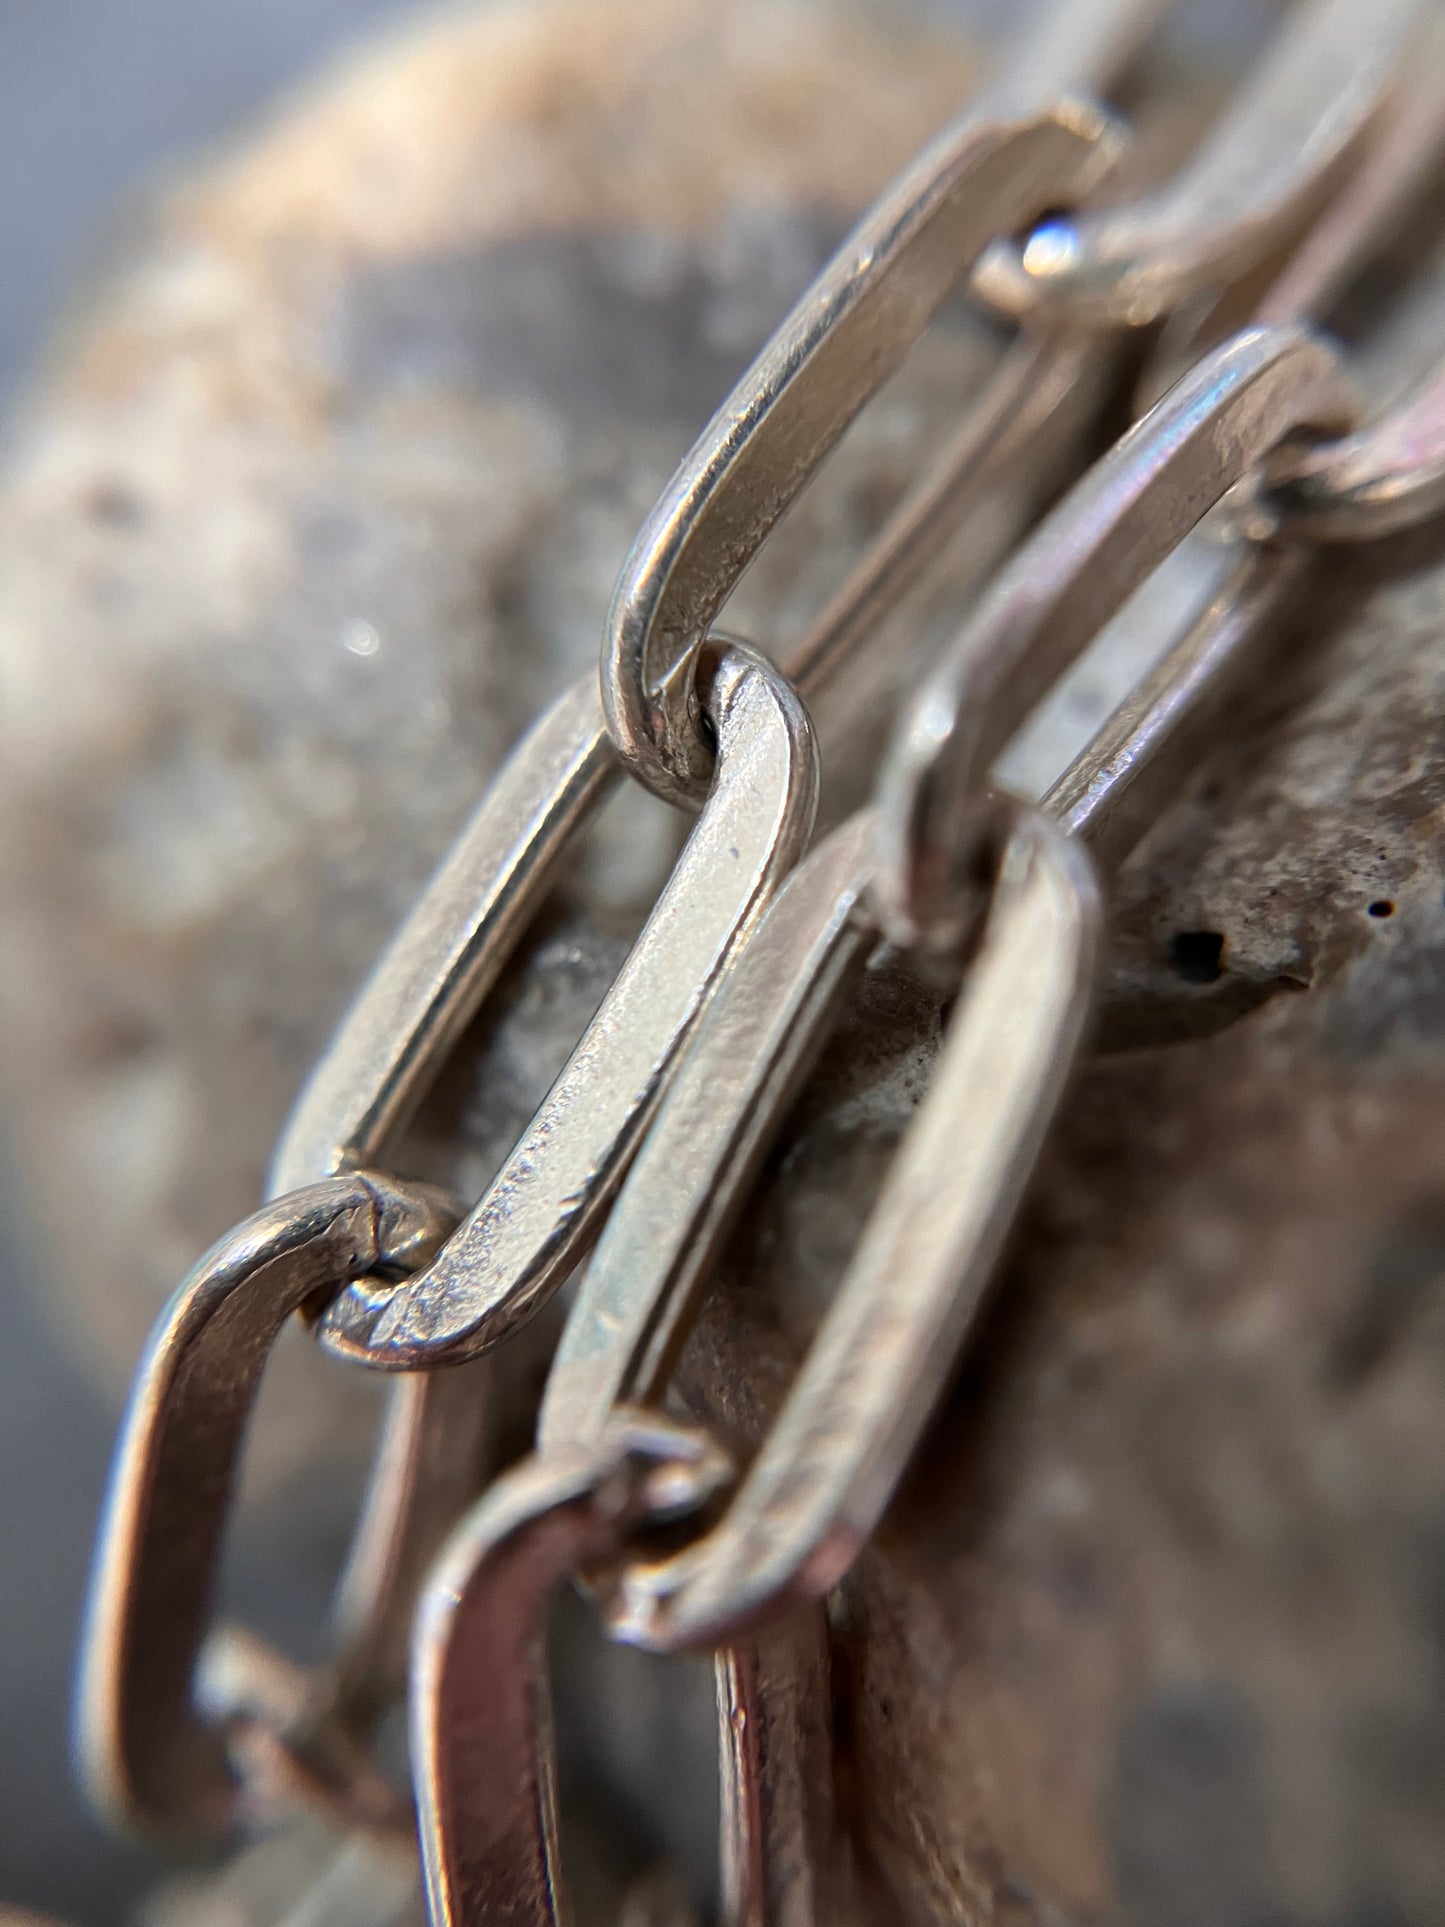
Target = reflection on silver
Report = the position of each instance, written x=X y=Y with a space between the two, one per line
x=543 y=1208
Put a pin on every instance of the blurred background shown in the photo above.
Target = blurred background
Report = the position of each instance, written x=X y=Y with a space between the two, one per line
x=98 y=103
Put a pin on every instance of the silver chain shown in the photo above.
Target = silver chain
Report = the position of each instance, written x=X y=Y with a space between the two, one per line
x=646 y=1149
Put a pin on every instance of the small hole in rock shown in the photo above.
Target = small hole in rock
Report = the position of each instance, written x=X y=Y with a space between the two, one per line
x=1197 y=956
x=1382 y=907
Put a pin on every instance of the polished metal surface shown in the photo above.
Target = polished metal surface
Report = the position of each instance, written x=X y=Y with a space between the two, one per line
x=786 y=1854
x=1113 y=792
x=983 y=177
x=481 y=1737
x=1107 y=535
x=1298 y=121
x=637 y=1297
x=151 y=1762
x=1032 y=417
x=678 y=1086
x=430 y=982
x=431 y=1459
x=540 y=1212
x=640 y=1292
x=914 y=1285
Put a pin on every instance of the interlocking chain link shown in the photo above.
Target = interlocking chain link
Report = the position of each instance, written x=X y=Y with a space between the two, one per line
x=539 y=1212
x=1113 y=531
x=667 y=1106
x=984 y=177
x=152 y=1761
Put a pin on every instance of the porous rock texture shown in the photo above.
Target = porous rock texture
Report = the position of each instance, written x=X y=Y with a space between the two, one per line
x=320 y=500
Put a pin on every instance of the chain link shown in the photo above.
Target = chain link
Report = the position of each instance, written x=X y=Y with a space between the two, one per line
x=152 y=1762
x=665 y=1110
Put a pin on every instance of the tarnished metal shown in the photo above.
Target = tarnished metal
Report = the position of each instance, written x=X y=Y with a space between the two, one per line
x=1032 y=416
x=431 y=1458
x=151 y=1762
x=639 y=1294
x=692 y=1174
x=480 y=1713
x=786 y=1858
x=636 y=1300
x=543 y=1207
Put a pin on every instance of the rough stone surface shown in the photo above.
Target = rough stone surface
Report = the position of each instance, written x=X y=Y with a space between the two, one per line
x=320 y=502
x=1152 y=1634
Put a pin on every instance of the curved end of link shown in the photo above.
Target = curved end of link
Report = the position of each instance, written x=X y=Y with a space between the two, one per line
x=826 y=1471
x=152 y=1762
x=1386 y=478
x=1114 y=527
x=660 y=736
x=1308 y=105
x=937 y=846
x=546 y=1204
x=480 y=1732
x=1019 y=278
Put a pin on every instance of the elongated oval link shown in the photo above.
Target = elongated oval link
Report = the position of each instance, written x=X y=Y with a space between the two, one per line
x=762 y=1034
x=431 y=980
x=1386 y=477
x=638 y=1295
x=853 y=328
x=764 y=1031
x=1034 y=413
x=1115 y=788
x=481 y=1735
x=540 y=1211
x=150 y=1760
x=864 y=1393
x=1079 y=567
x=1296 y=123
x=361 y=1093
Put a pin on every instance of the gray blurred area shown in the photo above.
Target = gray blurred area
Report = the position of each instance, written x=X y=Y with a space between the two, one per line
x=98 y=99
